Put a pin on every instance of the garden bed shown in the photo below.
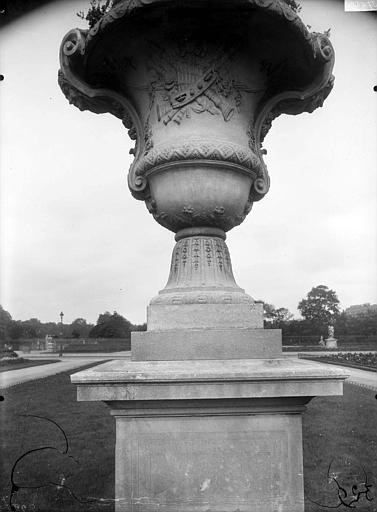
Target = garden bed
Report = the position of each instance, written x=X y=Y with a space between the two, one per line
x=341 y=348
x=362 y=361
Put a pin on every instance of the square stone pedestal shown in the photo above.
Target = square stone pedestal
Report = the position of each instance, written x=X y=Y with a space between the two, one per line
x=209 y=436
x=331 y=343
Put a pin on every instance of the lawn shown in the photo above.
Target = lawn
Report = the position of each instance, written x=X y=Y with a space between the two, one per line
x=340 y=431
x=90 y=431
x=18 y=364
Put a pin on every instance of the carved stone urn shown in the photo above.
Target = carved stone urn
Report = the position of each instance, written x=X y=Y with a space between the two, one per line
x=208 y=411
x=197 y=84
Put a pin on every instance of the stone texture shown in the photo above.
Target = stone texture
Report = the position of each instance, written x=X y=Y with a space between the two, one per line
x=206 y=344
x=201 y=292
x=202 y=380
x=216 y=462
x=201 y=272
x=193 y=104
x=204 y=316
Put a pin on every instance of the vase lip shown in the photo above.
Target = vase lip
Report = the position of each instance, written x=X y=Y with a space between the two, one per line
x=200 y=231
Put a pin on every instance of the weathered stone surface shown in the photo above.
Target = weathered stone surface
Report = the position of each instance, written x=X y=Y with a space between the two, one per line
x=206 y=344
x=201 y=292
x=201 y=273
x=203 y=379
x=219 y=462
x=193 y=104
x=204 y=316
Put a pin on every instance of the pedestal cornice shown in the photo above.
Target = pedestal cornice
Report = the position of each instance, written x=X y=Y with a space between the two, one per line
x=207 y=380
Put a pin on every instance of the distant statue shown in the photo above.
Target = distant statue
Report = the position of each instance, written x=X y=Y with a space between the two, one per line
x=50 y=343
x=331 y=342
x=321 y=342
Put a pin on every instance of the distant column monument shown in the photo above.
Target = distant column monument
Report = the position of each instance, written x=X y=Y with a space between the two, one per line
x=208 y=412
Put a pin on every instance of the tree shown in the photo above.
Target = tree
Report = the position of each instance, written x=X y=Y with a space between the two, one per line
x=16 y=330
x=138 y=327
x=275 y=318
x=361 y=324
x=321 y=306
x=97 y=9
x=111 y=326
x=269 y=312
x=32 y=328
x=104 y=317
x=5 y=320
x=80 y=327
x=283 y=316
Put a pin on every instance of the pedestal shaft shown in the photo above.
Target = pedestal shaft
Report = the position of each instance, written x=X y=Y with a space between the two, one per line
x=218 y=459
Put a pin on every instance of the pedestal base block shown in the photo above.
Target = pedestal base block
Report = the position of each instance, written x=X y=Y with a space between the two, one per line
x=206 y=344
x=223 y=461
x=331 y=343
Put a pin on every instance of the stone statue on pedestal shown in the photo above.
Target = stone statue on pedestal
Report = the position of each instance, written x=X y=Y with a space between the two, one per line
x=331 y=342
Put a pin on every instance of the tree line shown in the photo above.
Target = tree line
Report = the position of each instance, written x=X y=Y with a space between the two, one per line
x=109 y=325
x=319 y=309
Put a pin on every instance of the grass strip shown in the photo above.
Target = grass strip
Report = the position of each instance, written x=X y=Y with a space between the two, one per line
x=89 y=465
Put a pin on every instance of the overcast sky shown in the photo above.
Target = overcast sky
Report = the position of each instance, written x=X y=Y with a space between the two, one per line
x=74 y=240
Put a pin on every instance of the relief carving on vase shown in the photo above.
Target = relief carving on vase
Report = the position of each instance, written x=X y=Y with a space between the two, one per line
x=192 y=77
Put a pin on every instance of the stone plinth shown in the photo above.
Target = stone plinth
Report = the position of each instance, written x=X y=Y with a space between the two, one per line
x=208 y=435
x=331 y=342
